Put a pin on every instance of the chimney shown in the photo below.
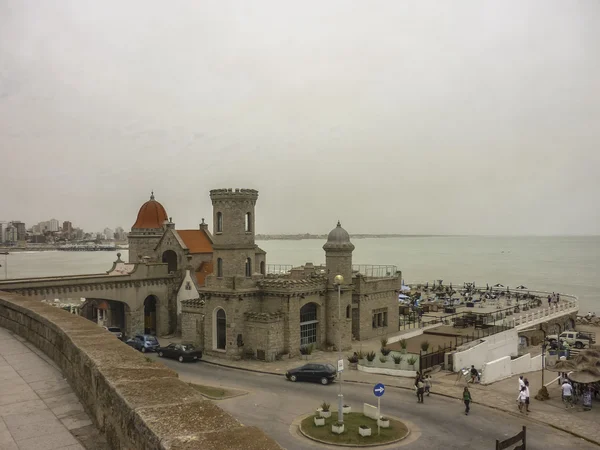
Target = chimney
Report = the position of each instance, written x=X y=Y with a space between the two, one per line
x=203 y=226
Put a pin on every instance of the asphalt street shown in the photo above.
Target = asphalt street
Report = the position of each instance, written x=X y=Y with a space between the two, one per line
x=273 y=403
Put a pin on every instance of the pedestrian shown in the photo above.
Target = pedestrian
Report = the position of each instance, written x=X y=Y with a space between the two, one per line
x=474 y=374
x=428 y=384
x=467 y=399
x=527 y=393
x=420 y=390
x=521 y=383
x=567 y=394
x=521 y=398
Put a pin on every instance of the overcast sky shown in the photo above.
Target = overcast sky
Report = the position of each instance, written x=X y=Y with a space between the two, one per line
x=463 y=117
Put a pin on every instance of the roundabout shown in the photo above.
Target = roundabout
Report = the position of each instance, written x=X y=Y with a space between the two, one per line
x=350 y=436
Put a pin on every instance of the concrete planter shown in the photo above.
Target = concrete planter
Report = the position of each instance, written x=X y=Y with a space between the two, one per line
x=346 y=409
x=383 y=422
x=353 y=366
x=319 y=421
x=325 y=414
x=337 y=429
x=364 y=430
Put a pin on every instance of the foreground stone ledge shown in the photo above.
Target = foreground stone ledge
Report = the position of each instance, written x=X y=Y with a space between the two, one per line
x=135 y=402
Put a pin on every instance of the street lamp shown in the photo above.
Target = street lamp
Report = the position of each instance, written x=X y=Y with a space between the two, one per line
x=338 y=280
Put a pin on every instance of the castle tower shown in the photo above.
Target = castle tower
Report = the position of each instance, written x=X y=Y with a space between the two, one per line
x=234 y=248
x=338 y=260
x=147 y=230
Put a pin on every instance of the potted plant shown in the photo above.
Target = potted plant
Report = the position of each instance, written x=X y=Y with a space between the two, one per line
x=306 y=351
x=319 y=421
x=346 y=409
x=364 y=430
x=360 y=355
x=412 y=361
x=370 y=357
x=385 y=351
x=325 y=412
x=425 y=346
x=397 y=360
x=384 y=342
x=383 y=359
x=383 y=422
x=337 y=427
x=353 y=361
x=403 y=345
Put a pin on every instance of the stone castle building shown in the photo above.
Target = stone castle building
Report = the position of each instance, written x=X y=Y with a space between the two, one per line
x=231 y=303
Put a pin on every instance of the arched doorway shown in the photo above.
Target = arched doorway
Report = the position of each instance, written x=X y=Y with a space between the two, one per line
x=262 y=268
x=220 y=329
x=150 y=315
x=308 y=324
x=170 y=257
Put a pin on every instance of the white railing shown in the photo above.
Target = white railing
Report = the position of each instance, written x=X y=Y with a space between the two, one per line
x=565 y=307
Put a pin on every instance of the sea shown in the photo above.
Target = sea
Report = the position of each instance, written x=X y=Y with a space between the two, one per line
x=568 y=265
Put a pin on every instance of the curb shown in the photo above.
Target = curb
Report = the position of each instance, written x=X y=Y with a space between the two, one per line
x=497 y=408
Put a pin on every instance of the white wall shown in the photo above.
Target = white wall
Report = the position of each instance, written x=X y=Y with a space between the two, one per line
x=186 y=294
x=521 y=365
x=490 y=349
x=496 y=370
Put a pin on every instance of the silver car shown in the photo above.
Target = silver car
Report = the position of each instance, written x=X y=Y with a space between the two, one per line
x=116 y=331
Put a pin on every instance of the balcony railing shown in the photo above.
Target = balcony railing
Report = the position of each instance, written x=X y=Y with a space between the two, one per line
x=278 y=269
x=374 y=270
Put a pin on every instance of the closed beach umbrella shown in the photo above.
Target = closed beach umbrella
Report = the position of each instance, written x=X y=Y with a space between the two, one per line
x=585 y=376
x=562 y=366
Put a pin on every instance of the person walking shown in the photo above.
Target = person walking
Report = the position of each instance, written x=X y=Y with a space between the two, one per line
x=420 y=390
x=521 y=398
x=567 y=394
x=527 y=394
x=428 y=384
x=467 y=400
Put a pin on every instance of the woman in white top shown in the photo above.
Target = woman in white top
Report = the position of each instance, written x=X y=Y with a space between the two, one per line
x=522 y=398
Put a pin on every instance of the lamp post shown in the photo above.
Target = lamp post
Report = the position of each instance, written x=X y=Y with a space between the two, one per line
x=338 y=281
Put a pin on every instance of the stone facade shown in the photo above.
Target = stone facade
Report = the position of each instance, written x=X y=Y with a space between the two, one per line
x=553 y=326
x=241 y=311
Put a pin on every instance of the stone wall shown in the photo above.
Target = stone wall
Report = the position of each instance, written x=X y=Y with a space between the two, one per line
x=144 y=245
x=264 y=335
x=376 y=294
x=137 y=403
x=553 y=326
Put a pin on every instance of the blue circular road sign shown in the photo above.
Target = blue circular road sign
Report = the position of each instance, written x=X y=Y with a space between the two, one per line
x=379 y=389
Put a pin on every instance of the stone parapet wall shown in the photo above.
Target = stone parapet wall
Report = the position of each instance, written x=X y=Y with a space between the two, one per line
x=137 y=403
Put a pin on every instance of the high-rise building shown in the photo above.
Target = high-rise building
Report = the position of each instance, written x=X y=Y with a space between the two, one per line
x=67 y=227
x=109 y=234
x=120 y=234
x=3 y=226
x=21 y=231
x=11 y=233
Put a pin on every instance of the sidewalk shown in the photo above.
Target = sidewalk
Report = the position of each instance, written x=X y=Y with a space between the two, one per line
x=501 y=395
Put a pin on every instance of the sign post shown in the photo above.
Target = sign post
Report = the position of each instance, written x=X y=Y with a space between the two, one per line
x=379 y=390
x=340 y=365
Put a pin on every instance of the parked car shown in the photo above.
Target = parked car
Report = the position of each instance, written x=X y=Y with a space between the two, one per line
x=115 y=331
x=144 y=343
x=180 y=352
x=321 y=373
x=576 y=338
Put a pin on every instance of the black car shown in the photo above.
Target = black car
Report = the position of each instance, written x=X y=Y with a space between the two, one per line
x=321 y=373
x=180 y=352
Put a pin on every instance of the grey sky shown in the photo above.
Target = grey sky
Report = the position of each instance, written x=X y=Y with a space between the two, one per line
x=466 y=117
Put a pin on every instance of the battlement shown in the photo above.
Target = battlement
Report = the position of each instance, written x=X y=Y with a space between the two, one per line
x=287 y=283
x=264 y=317
x=233 y=194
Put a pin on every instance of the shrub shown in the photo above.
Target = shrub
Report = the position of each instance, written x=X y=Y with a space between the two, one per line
x=352 y=358
x=360 y=355
x=371 y=356
x=306 y=349
x=412 y=361
x=397 y=359
x=383 y=358
x=425 y=346
x=338 y=424
x=403 y=343
x=364 y=427
x=384 y=342
x=325 y=406
x=385 y=351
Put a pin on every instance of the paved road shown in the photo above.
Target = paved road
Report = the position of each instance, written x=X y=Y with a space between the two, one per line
x=273 y=403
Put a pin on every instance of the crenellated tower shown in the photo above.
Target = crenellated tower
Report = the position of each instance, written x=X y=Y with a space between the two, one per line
x=234 y=248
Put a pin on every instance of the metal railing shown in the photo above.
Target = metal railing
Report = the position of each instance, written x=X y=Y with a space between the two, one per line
x=278 y=269
x=377 y=271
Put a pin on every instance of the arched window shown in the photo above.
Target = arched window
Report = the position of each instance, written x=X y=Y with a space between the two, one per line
x=219 y=268
x=248 y=222
x=348 y=311
x=262 y=268
x=308 y=324
x=248 y=267
x=220 y=329
x=170 y=257
x=219 y=222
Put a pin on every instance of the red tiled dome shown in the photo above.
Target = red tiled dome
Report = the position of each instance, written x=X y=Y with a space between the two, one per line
x=151 y=215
